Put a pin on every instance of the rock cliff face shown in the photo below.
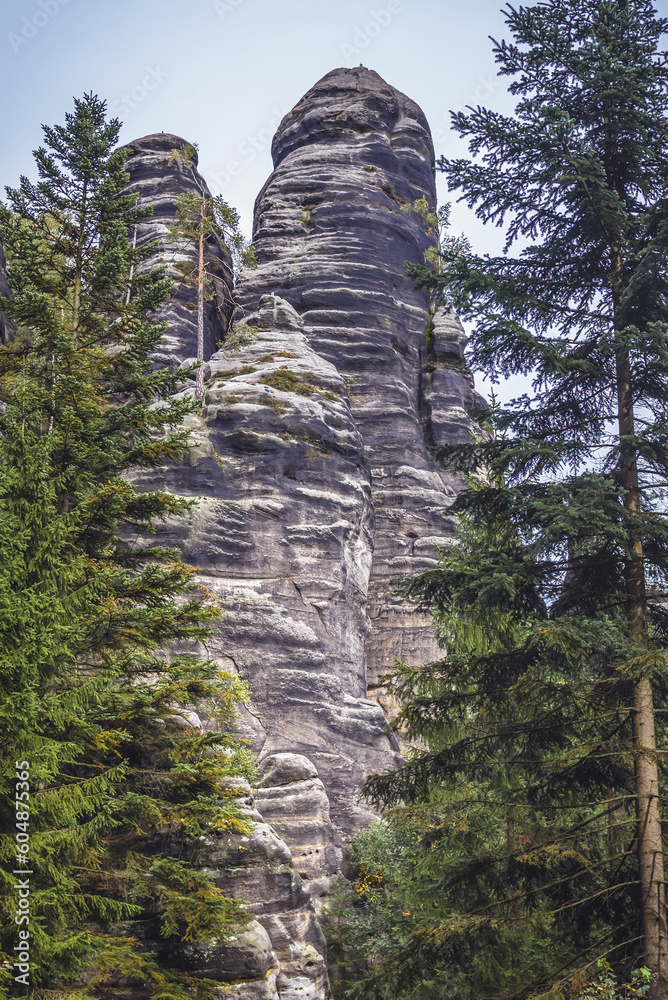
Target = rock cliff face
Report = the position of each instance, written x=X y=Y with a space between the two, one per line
x=7 y=327
x=280 y=954
x=161 y=167
x=342 y=211
x=316 y=485
x=283 y=536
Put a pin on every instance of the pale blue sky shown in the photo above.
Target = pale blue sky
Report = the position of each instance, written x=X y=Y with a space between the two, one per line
x=221 y=73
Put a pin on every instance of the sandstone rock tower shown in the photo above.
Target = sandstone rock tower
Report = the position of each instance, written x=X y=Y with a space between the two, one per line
x=316 y=485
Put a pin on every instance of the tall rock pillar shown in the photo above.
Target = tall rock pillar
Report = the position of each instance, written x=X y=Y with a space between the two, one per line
x=344 y=208
x=315 y=482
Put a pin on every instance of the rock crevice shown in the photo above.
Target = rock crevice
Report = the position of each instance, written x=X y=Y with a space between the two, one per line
x=159 y=172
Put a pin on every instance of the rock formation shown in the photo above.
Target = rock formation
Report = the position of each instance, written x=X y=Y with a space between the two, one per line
x=7 y=326
x=161 y=167
x=281 y=952
x=316 y=484
x=333 y=226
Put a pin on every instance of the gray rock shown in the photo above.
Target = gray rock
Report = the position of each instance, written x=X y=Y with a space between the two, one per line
x=284 y=769
x=284 y=944
x=7 y=325
x=157 y=177
x=311 y=463
x=245 y=955
x=283 y=536
x=291 y=797
x=333 y=226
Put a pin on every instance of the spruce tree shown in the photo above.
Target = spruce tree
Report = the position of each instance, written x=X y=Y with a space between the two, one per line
x=570 y=511
x=199 y=221
x=99 y=627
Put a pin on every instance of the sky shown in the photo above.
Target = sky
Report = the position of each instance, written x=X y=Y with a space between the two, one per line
x=222 y=73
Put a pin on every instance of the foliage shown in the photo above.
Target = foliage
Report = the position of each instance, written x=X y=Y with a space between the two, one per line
x=99 y=626
x=605 y=987
x=239 y=336
x=436 y=223
x=228 y=220
x=534 y=734
x=212 y=218
x=286 y=381
x=202 y=222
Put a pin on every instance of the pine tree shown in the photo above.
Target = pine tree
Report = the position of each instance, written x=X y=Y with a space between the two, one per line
x=520 y=739
x=199 y=220
x=572 y=514
x=99 y=628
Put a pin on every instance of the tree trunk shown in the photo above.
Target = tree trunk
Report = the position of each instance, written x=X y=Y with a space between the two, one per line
x=199 y=383
x=613 y=849
x=510 y=846
x=78 y=264
x=650 y=846
x=649 y=837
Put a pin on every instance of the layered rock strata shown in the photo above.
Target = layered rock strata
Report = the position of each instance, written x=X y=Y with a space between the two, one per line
x=291 y=797
x=162 y=167
x=346 y=205
x=283 y=536
x=311 y=463
x=280 y=953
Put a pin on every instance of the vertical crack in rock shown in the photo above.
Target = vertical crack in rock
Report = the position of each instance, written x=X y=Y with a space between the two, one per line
x=7 y=325
x=333 y=226
x=158 y=177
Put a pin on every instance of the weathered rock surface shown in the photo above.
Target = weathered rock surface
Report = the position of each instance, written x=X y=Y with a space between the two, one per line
x=291 y=797
x=316 y=488
x=281 y=952
x=7 y=326
x=342 y=211
x=283 y=537
x=159 y=172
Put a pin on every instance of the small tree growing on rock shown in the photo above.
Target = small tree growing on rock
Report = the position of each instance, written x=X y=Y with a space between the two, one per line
x=198 y=220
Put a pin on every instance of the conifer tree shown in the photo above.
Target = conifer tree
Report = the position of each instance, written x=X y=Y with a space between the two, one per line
x=99 y=627
x=572 y=540
x=199 y=219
